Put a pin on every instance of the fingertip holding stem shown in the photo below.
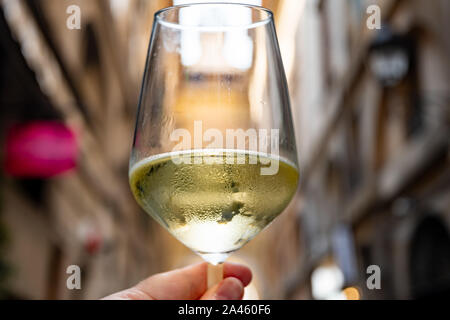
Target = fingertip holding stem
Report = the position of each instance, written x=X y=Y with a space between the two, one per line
x=230 y=289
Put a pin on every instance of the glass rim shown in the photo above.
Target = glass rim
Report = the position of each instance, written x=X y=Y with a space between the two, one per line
x=159 y=17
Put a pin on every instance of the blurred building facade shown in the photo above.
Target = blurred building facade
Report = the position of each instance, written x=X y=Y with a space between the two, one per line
x=84 y=217
x=373 y=111
x=373 y=147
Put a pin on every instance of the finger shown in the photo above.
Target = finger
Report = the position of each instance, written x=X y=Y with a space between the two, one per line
x=189 y=283
x=182 y=284
x=239 y=271
x=228 y=289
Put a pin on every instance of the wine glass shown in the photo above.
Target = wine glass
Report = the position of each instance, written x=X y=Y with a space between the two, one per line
x=214 y=157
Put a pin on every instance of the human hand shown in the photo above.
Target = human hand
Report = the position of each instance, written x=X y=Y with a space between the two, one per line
x=189 y=283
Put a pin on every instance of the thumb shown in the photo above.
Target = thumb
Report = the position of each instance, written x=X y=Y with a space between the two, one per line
x=228 y=289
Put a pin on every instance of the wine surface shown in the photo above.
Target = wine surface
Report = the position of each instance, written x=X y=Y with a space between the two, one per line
x=213 y=207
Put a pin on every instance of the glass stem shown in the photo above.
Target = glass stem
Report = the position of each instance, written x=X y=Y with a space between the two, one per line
x=215 y=274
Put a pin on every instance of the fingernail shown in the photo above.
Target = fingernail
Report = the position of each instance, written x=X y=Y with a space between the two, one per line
x=230 y=289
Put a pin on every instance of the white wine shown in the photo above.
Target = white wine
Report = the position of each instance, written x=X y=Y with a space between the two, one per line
x=211 y=206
